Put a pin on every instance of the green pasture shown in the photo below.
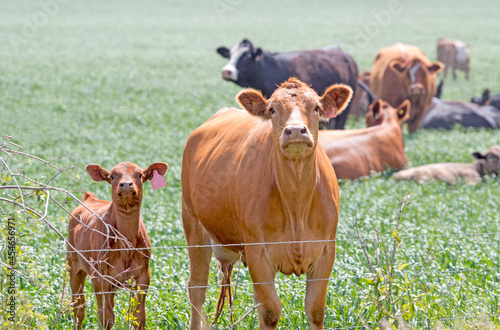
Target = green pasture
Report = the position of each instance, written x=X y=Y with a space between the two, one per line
x=110 y=81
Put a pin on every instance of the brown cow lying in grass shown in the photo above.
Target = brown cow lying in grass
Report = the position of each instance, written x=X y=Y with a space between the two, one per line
x=488 y=163
x=121 y=227
x=358 y=153
x=255 y=180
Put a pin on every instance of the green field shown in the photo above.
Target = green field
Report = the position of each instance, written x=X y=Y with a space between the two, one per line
x=110 y=81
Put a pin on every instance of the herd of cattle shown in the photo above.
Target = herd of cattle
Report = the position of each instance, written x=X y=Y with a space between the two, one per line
x=258 y=185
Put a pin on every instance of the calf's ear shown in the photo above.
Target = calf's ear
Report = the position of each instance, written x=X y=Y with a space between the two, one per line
x=435 y=67
x=335 y=100
x=223 y=51
x=478 y=155
x=252 y=101
x=161 y=168
x=98 y=173
x=404 y=111
x=375 y=108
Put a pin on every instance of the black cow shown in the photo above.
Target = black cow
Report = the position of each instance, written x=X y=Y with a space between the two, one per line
x=446 y=114
x=253 y=67
x=487 y=99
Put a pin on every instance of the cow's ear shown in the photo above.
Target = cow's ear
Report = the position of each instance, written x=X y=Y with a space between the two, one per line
x=97 y=173
x=375 y=108
x=486 y=97
x=398 y=67
x=252 y=101
x=404 y=111
x=161 y=168
x=335 y=100
x=435 y=67
x=478 y=155
x=223 y=51
x=257 y=55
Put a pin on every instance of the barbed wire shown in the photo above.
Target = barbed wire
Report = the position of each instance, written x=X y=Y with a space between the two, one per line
x=173 y=247
x=367 y=276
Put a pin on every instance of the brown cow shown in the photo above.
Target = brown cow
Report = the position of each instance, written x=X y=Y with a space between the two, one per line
x=455 y=54
x=256 y=177
x=403 y=72
x=121 y=227
x=485 y=164
x=358 y=153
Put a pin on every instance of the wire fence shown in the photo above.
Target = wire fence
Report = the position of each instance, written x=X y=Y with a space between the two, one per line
x=112 y=233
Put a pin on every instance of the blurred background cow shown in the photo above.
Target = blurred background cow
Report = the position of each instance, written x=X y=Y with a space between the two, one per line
x=455 y=54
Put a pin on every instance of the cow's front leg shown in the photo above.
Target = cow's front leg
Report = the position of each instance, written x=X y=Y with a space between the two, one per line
x=317 y=283
x=262 y=274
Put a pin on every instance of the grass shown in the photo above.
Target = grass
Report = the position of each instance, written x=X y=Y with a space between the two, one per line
x=105 y=82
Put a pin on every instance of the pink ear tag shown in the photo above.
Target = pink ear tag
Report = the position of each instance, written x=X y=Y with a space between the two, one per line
x=158 y=181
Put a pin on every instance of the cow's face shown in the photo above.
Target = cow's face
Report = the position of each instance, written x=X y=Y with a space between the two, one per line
x=417 y=76
x=126 y=181
x=294 y=110
x=242 y=58
x=381 y=112
x=491 y=158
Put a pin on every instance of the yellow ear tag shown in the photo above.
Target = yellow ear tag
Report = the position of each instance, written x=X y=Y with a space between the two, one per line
x=401 y=112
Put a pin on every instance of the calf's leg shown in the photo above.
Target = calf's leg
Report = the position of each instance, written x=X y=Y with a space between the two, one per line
x=142 y=285
x=105 y=302
x=77 y=284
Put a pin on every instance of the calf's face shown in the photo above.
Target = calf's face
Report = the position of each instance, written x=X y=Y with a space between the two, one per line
x=294 y=110
x=126 y=181
x=381 y=112
x=492 y=159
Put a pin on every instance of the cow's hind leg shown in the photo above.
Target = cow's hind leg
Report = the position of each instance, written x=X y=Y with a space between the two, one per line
x=199 y=265
x=77 y=284
x=317 y=283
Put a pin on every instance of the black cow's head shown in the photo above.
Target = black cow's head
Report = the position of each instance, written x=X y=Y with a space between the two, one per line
x=483 y=100
x=241 y=56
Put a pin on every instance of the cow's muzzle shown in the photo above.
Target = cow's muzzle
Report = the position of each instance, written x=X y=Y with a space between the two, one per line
x=296 y=138
x=416 y=89
x=127 y=189
x=229 y=75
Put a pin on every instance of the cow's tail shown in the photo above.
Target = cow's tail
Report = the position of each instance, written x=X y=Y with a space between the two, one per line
x=367 y=89
x=225 y=290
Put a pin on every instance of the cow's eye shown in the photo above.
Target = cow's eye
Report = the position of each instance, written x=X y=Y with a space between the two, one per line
x=140 y=176
x=316 y=108
x=112 y=177
x=272 y=111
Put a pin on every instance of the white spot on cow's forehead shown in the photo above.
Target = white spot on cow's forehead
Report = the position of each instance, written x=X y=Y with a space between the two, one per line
x=234 y=56
x=414 y=70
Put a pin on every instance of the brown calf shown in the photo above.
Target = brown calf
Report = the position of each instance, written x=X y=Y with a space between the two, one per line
x=357 y=153
x=256 y=177
x=485 y=164
x=121 y=229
